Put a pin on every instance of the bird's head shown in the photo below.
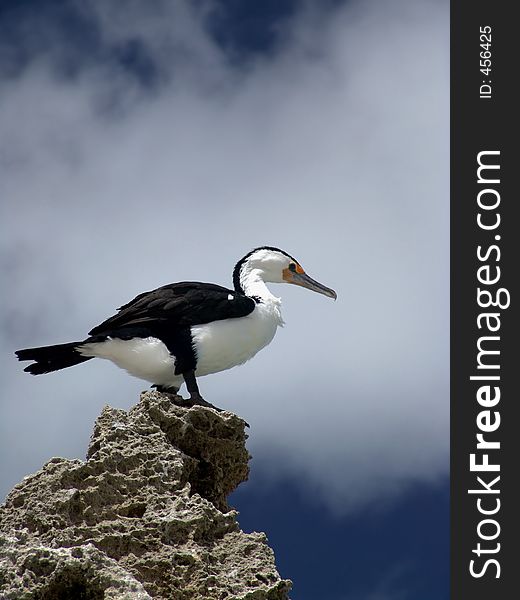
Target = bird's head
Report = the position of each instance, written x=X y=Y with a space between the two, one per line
x=273 y=265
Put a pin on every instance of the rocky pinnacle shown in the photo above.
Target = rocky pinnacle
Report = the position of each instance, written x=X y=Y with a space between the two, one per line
x=144 y=516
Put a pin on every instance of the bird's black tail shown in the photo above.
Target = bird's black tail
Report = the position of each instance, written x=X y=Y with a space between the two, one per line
x=51 y=358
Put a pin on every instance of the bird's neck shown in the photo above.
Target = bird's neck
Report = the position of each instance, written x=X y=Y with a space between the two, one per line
x=251 y=284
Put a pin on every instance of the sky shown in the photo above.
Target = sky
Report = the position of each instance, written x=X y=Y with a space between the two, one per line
x=143 y=143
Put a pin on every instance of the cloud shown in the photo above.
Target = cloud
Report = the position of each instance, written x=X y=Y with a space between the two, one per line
x=334 y=146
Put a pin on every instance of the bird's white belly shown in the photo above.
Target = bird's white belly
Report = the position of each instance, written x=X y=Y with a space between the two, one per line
x=145 y=358
x=221 y=345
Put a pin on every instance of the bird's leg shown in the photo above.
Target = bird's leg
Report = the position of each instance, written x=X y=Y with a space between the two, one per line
x=191 y=384
x=195 y=397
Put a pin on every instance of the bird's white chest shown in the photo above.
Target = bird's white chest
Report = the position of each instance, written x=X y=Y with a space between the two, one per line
x=224 y=344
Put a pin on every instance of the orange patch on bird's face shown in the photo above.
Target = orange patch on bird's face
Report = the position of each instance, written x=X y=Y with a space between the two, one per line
x=288 y=274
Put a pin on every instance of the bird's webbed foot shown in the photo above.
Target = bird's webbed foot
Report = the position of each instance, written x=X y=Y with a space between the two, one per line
x=196 y=399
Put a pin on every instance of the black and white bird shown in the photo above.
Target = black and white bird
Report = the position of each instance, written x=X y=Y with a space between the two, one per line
x=182 y=331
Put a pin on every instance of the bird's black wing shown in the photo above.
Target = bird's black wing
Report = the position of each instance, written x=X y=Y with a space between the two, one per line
x=179 y=305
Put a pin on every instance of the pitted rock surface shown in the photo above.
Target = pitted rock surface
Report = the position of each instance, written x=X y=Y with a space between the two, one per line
x=145 y=516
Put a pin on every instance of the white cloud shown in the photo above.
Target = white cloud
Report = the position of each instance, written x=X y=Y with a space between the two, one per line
x=334 y=148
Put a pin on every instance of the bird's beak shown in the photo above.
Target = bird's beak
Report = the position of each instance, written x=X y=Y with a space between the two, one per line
x=308 y=282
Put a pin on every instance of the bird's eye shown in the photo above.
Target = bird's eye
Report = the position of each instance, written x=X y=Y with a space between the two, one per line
x=292 y=267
